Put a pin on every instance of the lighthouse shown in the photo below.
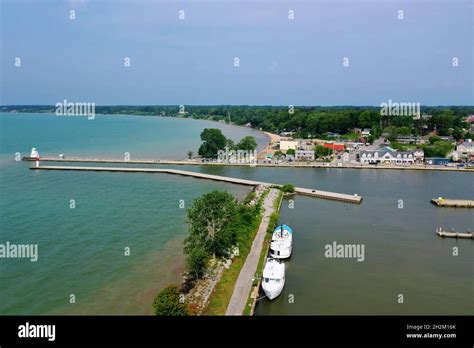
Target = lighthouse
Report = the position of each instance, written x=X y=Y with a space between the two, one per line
x=34 y=153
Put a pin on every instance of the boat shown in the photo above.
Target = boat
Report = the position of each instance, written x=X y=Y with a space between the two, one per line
x=282 y=242
x=273 y=278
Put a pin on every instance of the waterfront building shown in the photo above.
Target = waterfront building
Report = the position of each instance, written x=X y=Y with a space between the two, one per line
x=304 y=155
x=464 y=152
x=437 y=160
x=388 y=156
x=334 y=146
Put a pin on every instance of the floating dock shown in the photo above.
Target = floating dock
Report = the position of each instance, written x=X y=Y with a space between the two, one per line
x=453 y=234
x=455 y=203
x=303 y=191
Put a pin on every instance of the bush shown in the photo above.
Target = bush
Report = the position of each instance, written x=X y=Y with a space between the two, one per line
x=288 y=188
x=168 y=303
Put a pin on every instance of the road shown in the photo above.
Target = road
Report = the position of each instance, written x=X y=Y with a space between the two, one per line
x=244 y=281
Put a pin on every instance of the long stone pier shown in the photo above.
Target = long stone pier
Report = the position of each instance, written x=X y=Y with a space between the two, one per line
x=303 y=191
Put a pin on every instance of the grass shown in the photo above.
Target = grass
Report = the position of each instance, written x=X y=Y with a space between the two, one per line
x=222 y=293
x=351 y=136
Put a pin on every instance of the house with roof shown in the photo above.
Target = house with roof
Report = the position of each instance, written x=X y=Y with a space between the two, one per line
x=388 y=155
x=464 y=152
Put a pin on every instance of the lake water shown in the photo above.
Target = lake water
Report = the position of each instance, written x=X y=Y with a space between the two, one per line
x=81 y=250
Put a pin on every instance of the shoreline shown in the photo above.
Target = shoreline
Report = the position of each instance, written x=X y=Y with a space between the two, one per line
x=323 y=165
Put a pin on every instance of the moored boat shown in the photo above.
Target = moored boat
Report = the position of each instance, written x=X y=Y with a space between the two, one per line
x=282 y=242
x=273 y=278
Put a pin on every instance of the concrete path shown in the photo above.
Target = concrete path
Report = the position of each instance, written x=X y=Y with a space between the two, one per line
x=244 y=281
x=308 y=192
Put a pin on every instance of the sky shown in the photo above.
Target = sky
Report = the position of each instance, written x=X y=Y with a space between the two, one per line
x=425 y=57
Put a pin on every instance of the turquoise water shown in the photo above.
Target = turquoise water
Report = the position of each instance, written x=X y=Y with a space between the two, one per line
x=81 y=250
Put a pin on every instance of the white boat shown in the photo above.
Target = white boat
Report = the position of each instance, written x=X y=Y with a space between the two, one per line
x=273 y=278
x=282 y=242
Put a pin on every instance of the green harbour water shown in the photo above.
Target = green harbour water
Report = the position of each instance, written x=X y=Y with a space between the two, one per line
x=81 y=250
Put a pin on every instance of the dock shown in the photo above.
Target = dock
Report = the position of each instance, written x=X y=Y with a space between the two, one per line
x=454 y=234
x=455 y=203
x=303 y=191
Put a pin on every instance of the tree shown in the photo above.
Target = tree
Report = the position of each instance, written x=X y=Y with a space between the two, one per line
x=247 y=143
x=190 y=154
x=209 y=218
x=433 y=139
x=213 y=141
x=457 y=134
x=288 y=188
x=168 y=303
x=290 y=152
x=322 y=151
x=392 y=133
x=196 y=261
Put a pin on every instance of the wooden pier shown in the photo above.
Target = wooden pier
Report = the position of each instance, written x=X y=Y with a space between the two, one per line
x=304 y=191
x=455 y=203
x=454 y=234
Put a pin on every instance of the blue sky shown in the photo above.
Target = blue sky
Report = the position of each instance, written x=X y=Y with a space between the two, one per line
x=282 y=61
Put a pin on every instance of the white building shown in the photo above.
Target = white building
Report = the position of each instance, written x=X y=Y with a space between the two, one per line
x=464 y=151
x=304 y=155
x=285 y=145
x=388 y=156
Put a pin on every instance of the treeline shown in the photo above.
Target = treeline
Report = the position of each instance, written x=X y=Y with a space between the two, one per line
x=303 y=120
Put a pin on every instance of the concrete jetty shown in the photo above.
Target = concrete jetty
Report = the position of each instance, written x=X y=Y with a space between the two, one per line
x=455 y=203
x=195 y=162
x=453 y=234
x=304 y=191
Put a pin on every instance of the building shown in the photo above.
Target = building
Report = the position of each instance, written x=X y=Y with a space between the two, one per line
x=285 y=145
x=334 y=146
x=388 y=156
x=419 y=155
x=437 y=160
x=464 y=152
x=304 y=155
x=365 y=132
x=408 y=139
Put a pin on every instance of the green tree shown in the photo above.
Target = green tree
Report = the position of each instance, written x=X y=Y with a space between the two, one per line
x=392 y=133
x=290 y=152
x=288 y=188
x=433 y=139
x=458 y=134
x=322 y=151
x=196 y=261
x=247 y=143
x=404 y=131
x=168 y=303
x=190 y=154
x=213 y=141
x=209 y=218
